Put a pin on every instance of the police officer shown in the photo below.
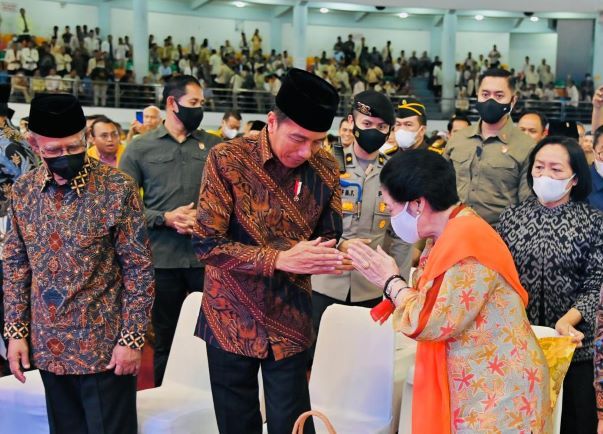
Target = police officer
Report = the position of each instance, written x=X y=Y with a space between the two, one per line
x=410 y=128
x=365 y=215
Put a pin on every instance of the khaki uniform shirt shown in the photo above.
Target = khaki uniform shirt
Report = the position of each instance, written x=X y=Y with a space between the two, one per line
x=368 y=218
x=490 y=173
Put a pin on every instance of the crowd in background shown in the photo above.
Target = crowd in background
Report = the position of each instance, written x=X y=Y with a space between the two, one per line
x=83 y=61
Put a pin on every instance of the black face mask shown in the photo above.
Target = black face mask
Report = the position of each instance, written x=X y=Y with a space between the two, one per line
x=190 y=117
x=491 y=111
x=370 y=139
x=66 y=166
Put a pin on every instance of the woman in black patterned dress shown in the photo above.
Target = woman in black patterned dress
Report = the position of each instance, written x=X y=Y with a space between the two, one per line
x=556 y=239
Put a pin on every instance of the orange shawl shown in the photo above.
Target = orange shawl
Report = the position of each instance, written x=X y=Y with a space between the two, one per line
x=464 y=237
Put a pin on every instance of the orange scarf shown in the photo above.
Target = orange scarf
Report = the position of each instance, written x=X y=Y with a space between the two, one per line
x=464 y=237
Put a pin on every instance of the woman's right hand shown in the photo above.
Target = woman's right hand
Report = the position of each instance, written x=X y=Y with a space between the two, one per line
x=564 y=328
x=375 y=265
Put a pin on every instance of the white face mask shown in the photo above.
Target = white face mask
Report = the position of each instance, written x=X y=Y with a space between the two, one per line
x=229 y=133
x=406 y=226
x=599 y=167
x=405 y=139
x=551 y=190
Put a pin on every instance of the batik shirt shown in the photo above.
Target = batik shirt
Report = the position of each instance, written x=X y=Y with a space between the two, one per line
x=497 y=373
x=78 y=274
x=16 y=158
x=250 y=210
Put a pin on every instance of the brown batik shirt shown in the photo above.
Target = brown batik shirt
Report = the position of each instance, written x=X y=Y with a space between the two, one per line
x=248 y=212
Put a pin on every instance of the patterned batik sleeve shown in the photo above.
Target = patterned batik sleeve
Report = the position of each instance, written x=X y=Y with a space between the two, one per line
x=598 y=358
x=134 y=254
x=588 y=295
x=330 y=223
x=210 y=235
x=463 y=292
x=17 y=281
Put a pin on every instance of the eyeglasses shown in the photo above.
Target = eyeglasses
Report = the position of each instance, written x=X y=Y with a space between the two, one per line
x=74 y=148
x=107 y=136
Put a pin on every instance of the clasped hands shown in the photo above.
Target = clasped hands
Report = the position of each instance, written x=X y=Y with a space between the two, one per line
x=182 y=219
x=313 y=257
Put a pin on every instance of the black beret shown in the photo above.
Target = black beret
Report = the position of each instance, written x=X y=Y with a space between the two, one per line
x=410 y=107
x=374 y=104
x=563 y=128
x=56 y=115
x=308 y=100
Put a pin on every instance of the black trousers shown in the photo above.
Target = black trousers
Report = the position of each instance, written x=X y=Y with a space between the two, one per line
x=320 y=302
x=4 y=368
x=102 y=403
x=172 y=285
x=235 y=390
x=579 y=411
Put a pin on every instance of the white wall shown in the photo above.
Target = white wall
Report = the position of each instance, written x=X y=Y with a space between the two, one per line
x=481 y=43
x=537 y=46
x=323 y=38
x=43 y=15
x=182 y=27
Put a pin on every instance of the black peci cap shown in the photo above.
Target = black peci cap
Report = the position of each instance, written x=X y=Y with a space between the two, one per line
x=56 y=115
x=308 y=100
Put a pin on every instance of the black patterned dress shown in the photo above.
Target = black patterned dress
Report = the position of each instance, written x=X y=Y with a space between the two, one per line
x=559 y=256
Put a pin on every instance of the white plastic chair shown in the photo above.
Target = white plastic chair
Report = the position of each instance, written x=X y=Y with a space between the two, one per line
x=405 y=426
x=548 y=332
x=183 y=403
x=23 y=406
x=353 y=372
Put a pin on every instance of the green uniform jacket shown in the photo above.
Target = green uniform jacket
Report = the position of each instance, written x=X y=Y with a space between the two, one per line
x=491 y=173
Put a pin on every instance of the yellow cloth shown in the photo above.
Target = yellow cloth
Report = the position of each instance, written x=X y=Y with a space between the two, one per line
x=558 y=351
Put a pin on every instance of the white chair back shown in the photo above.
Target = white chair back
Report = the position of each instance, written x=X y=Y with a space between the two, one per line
x=353 y=370
x=544 y=332
x=187 y=349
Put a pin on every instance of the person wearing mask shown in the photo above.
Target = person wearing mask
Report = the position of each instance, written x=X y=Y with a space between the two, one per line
x=268 y=217
x=534 y=124
x=167 y=163
x=457 y=123
x=346 y=137
x=410 y=128
x=365 y=215
x=596 y=171
x=490 y=158
x=557 y=245
x=79 y=277
x=106 y=144
x=230 y=126
x=477 y=359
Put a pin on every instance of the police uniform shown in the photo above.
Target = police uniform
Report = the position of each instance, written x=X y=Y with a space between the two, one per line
x=363 y=217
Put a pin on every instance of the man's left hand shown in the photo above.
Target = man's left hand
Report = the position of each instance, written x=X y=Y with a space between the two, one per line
x=125 y=360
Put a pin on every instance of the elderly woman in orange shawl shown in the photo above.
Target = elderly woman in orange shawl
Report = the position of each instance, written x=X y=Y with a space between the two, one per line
x=479 y=367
